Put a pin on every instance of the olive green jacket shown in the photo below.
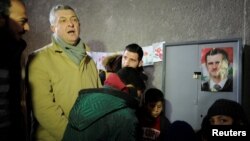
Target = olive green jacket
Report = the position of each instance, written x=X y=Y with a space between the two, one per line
x=55 y=81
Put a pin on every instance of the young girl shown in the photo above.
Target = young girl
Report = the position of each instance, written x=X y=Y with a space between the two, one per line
x=153 y=123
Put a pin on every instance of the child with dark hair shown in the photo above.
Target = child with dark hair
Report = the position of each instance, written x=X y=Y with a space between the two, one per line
x=226 y=112
x=222 y=112
x=153 y=123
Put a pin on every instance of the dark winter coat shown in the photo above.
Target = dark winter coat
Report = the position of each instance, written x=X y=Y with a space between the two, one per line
x=102 y=114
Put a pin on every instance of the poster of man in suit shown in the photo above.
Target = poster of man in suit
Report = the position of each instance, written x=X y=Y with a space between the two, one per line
x=217 y=70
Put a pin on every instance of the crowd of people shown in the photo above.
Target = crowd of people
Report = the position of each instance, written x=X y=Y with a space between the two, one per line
x=65 y=97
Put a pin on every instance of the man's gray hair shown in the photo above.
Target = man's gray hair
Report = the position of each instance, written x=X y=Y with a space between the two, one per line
x=57 y=8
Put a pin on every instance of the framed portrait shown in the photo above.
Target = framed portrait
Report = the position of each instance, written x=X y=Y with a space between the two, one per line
x=217 y=69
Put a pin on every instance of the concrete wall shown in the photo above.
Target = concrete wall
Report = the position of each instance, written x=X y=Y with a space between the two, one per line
x=109 y=25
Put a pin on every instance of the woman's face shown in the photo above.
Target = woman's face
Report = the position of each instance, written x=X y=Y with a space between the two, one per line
x=221 y=120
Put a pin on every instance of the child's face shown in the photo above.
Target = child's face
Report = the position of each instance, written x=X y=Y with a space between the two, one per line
x=221 y=120
x=155 y=108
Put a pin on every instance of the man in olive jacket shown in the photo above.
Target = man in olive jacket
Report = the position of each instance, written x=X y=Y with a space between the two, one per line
x=107 y=114
x=56 y=74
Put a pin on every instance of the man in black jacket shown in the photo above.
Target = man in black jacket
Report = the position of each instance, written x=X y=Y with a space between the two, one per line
x=13 y=24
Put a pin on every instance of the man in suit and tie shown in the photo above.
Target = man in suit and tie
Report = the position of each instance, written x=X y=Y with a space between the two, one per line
x=217 y=64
